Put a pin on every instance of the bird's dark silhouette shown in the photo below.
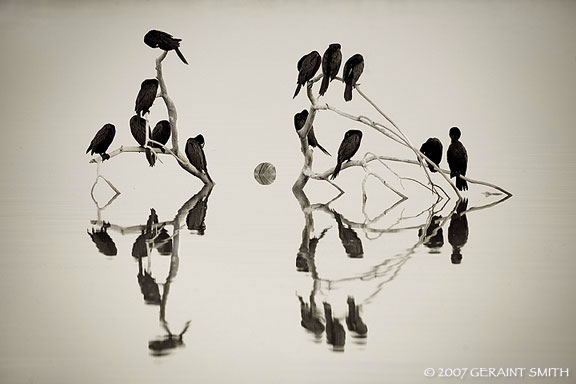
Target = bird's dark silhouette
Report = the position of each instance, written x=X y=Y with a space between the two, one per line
x=335 y=333
x=307 y=251
x=161 y=134
x=348 y=148
x=353 y=320
x=349 y=238
x=457 y=159
x=307 y=67
x=195 y=154
x=102 y=141
x=310 y=318
x=432 y=149
x=103 y=241
x=195 y=220
x=148 y=286
x=164 y=41
x=331 y=61
x=299 y=122
x=139 y=248
x=138 y=129
x=146 y=96
x=458 y=231
x=434 y=237
x=353 y=68
x=163 y=243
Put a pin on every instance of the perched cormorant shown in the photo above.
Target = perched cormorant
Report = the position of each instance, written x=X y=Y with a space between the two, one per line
x=138 y=129
x=195 y=154
x=299 y=121
x=146 y=96
x=307 y=67
x=165 y=41
x=434 y=236
x=458 y=231
x=163 y=243
x=310 y=318
x=349 y=238
x=335 y=333
x=352 y=71
x=161 y=133
x=139 y=248
x=331 y=61
x=457 y=159
x=348 y=148
x=432 y=149
x=102 y=141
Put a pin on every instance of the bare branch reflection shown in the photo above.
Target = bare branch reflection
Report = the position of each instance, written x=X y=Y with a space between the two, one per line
x=153 y=237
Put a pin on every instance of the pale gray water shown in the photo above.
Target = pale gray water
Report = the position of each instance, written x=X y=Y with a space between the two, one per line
x=505 y=72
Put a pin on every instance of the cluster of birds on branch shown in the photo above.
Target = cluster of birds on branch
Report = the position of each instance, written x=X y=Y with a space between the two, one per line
x=144 y=101
x=331 y=60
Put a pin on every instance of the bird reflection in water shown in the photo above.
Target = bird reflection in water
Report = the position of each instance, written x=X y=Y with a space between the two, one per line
x=458 y=231
x=307 y=252
x=335 y=333
x=434 y=236
x=195 y=220
x=353 y=320
x=349 y=238
x=310 y=317
x=103 y=241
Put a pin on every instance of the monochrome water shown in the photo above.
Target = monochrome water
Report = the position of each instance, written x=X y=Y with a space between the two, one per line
x=145 y=274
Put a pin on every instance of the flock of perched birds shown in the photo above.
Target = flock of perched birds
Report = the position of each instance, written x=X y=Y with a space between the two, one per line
x=307 y=66
x=331 y=60
x=144 y=101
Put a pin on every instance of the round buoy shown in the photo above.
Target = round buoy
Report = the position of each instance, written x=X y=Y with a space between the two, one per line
x=265 y=173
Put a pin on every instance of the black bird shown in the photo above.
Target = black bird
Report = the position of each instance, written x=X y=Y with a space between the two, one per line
x=349 y=238
x=457 y=159
x=161 y=134
x=432 y=149
x=195 y=154
x=138 y=129
x=348 y=148
x=103 y=241
x=140 y=248
x=146 y=96
x=331 y=61
x=148 y=286
x=102 y=141
x=307 y=67
x=165 y=41
x=352 y=71
x=458 y=231
x=299 y=121
x=310 y=318
x=163 y=243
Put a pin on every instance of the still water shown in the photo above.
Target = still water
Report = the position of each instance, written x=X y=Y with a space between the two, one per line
x=252 y=283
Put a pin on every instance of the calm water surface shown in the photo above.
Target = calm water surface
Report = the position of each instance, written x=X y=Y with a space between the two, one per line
x=257 y=284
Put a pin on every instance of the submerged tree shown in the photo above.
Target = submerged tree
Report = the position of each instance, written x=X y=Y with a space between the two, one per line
x=153 y=143
x=351 y=74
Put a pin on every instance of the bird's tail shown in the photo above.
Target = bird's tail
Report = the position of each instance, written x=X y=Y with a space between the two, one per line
x=89 y=148
x=151 y=157
x=432 y=169
x=297 y=90
x=323 y=149
x=336 y=171
x=181 y=56
x=348 y=92
x=324 y=85
x=461 y=184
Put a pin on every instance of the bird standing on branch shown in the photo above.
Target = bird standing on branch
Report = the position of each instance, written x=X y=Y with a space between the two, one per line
x=457 y=159
x=299 y=122
x=352 y=71
x=164 y=41
x=138 y=129
x=161 y=134
x=307 y=67
x=195 y=154
x=146 y=96
x=102 y=141
x=331 y=61
x=432 y=149
x=348 y=148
